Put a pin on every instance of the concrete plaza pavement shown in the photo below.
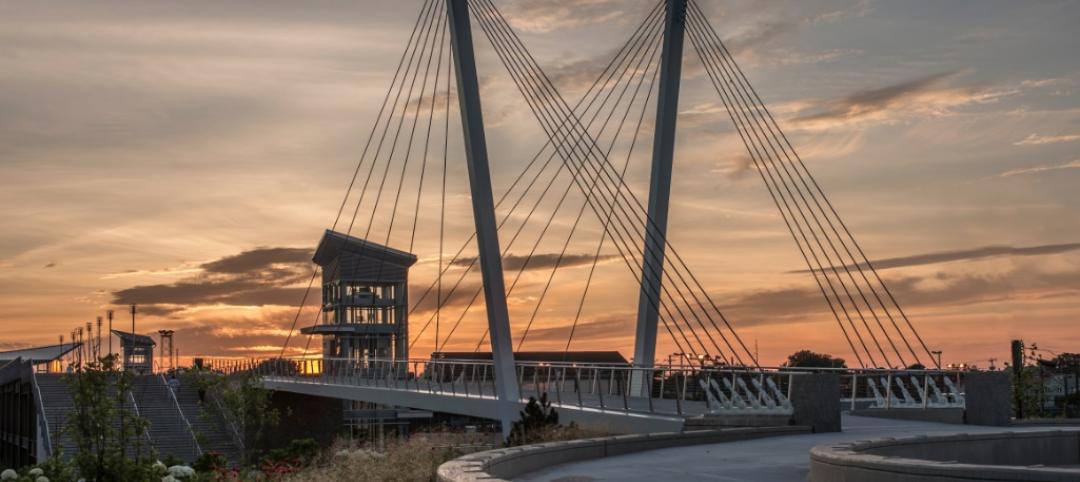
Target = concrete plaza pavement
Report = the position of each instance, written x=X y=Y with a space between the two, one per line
x=774 y=459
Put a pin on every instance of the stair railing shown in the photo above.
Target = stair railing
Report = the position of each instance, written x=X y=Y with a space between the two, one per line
x=43 y=419
x=197 y=450
x=234 y=430
x=146 y=430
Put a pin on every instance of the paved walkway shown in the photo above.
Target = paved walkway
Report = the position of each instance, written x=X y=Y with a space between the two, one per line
x=765 y=460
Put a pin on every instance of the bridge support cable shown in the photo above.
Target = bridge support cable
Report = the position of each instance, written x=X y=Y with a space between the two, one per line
x=593 y=155
x=411 y=44
x=620 y=57
x=541 y=116
x=788 y=213
x=782 y=171
x=433 y=18
x=581 y=212
x=512 y=61
x=487 y=235
x=499 y=40
x=865 y=262
x=623 y=65
x=598 y=112
x=619 y=193
x=637 y=90
x=752 y=152
x=791 y=172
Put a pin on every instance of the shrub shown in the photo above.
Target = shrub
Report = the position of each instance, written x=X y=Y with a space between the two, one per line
x=538 y=416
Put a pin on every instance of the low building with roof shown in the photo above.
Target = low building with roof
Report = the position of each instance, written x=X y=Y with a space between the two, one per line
x=43 y=358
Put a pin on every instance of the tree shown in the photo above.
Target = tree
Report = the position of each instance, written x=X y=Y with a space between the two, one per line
x=809 y=359
x=248 y=404
x=103 y=425
x=537 y=417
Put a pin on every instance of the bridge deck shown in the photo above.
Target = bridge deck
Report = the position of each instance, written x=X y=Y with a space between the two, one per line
x=613 y=413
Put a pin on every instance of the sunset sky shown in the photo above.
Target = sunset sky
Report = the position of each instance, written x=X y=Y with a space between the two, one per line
x=187 y=156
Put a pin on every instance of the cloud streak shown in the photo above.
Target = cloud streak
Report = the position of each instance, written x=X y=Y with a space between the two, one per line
x=1038 y=140
x=258 y=277
x=933 y=94
x=1037 y=169
x=962 y=255
x=540 y=261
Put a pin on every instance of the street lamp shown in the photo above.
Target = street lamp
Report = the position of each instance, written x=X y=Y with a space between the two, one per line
x=937 y=353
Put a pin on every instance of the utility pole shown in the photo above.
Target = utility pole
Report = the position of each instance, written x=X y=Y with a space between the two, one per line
x=652 y=270
x=487 y=235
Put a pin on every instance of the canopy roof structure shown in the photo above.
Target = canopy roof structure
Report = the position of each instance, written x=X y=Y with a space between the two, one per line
x=40 y=354
x=333 y=244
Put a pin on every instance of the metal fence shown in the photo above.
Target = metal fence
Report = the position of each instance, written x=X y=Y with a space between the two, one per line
x=677 y=390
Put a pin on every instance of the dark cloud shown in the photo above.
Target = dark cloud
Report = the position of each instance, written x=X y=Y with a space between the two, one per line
x=258 y=259
x=941 y=289
x=875 y=100
x=258 y=277
x=458 y=298
x=964 y=255
x=592 y=330
x=51 y=264
x=515 y=262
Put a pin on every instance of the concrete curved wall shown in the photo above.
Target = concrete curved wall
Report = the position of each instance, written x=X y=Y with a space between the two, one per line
x=501 y=464
x=1012 y=456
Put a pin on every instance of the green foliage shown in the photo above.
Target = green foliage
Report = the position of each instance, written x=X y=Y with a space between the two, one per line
x=248 y=405
x=103 y=425
x=210 y=462
x=171 y=460
x=299 y=453
x=537 y=418
x=809 y=359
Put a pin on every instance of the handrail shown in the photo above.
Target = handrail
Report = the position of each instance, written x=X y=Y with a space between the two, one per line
x=135 y=406
x=180 y=412
x=672 y=389
x=657 y=367
x=44 y=420
x=237 y=437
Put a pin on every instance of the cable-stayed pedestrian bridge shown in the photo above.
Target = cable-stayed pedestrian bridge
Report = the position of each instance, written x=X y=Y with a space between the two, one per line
x=568 y=195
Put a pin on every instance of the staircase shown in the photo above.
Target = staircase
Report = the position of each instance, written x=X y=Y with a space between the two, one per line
x=215 y=433
x=169 y=431
x=56 y=398
x=173 y=423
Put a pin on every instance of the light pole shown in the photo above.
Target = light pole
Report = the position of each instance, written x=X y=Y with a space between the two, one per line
x=110 y=315
x=937 y=353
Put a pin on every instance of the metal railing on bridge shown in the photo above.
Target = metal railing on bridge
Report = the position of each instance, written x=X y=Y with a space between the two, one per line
x=673 y=390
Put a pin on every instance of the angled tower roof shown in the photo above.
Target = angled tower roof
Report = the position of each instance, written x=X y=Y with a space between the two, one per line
x=334 y=244
x=137 y=339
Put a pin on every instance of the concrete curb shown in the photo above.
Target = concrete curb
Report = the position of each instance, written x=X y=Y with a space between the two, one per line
x=1008 y=456
x=501 y=464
